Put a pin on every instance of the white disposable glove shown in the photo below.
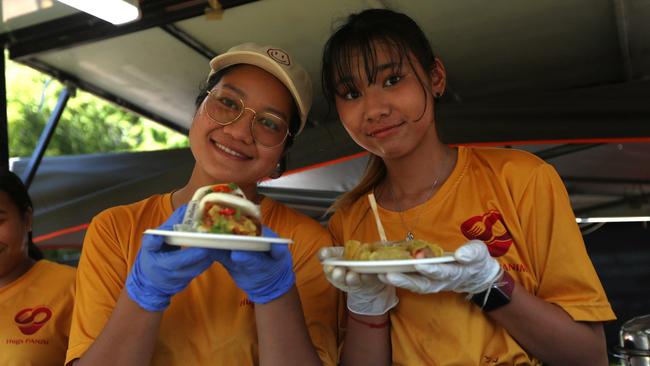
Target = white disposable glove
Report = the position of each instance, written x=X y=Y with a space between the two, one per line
x=366 y=294
x=474 y=271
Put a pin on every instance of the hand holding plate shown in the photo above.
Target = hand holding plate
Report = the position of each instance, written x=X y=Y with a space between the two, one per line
x=158 y=273
x=366 y=294
x=473 y=272
x=264 y=276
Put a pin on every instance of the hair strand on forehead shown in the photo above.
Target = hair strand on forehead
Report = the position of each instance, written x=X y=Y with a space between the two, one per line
x=353 y=47
x=358 y=39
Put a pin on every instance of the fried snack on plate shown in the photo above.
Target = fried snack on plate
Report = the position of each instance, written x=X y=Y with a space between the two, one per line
x=413 y=249
x=222 y=209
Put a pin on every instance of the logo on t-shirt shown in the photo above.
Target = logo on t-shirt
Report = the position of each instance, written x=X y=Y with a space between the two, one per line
x=30 y=320
x=490 y=229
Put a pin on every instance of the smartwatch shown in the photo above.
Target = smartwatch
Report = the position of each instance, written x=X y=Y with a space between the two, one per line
x=497 y=295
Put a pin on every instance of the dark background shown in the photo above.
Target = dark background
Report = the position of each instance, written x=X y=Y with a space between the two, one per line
x=620 y=253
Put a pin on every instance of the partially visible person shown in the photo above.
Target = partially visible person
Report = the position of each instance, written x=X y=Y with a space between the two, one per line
x=140 y=303
x=505 y=214
x=36 y=295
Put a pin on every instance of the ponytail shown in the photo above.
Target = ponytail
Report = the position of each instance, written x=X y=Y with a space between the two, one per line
x=374 y=173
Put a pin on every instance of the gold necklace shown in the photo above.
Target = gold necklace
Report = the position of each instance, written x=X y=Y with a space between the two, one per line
x=409 y=231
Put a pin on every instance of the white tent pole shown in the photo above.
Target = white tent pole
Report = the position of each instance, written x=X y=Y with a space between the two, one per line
x=4 y=129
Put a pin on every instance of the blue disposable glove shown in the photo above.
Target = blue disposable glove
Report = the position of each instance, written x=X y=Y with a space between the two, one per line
x=264 y=276
x=159 y=271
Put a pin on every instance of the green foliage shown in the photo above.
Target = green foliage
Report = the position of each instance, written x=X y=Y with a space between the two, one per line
x=88 y=124
x=67 y=256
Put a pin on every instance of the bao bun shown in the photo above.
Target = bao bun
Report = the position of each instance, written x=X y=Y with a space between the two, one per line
x=247 y=207
x=203 y=191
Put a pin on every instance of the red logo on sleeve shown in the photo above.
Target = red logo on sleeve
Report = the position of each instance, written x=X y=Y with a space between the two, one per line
x=490 y=229
x=30 y=320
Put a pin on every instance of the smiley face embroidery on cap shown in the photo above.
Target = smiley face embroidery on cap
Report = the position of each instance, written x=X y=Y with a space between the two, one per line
x=279 y=56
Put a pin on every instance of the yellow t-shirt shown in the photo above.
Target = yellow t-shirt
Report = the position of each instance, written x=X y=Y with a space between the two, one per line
x=35 y=313
x=211 y=321
x=517 y=204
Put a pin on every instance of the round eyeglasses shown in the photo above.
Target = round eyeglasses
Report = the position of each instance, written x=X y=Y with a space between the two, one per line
x=268 y=129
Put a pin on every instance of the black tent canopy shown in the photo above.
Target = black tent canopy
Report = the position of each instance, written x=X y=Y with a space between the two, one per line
x=567 y=80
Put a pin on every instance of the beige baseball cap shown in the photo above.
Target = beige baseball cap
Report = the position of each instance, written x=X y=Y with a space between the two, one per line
x=278 y=63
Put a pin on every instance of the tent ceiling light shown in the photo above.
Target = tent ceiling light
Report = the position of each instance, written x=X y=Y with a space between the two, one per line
x=113 y=11
x=589 y=220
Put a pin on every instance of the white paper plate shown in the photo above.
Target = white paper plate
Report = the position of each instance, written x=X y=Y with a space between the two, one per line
x=385 y=266
x=218 y=241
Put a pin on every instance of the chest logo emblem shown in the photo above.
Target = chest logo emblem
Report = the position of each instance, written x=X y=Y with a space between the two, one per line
x=30 y=320
x=489 y=228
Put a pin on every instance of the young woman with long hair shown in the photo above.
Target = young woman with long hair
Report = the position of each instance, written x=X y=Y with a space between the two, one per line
x=521 y=290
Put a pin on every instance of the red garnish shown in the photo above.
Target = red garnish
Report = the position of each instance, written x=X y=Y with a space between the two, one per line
x=423 y=253
x=227 y=211
x=222 y=188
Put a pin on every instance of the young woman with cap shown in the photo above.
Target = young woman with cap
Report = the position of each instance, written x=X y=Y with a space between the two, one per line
x=36 y=295
x=139 y=303
x=522 y=289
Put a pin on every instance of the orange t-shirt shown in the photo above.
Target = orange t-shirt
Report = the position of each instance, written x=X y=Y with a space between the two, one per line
x=35 y=313
x=517 y=204
x=211 y=321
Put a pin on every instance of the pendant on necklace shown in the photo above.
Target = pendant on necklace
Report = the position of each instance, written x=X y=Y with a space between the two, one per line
x=409 y=236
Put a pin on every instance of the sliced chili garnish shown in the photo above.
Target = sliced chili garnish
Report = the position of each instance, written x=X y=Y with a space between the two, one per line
x=227 y=211
x=221 y=188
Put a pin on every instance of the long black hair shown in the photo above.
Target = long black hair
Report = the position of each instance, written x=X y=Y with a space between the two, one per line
x=360 y=35
x=358 y=39
x=14 y=187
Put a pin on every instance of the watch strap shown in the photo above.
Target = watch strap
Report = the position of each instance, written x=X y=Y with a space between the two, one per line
x=497 y=295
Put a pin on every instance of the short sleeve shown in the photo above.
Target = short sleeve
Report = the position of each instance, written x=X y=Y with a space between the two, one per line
x=100 y=278
x=318 y=298
x=565 y=274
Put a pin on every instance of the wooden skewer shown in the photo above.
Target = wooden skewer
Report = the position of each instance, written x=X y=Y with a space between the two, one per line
x=380 y=227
